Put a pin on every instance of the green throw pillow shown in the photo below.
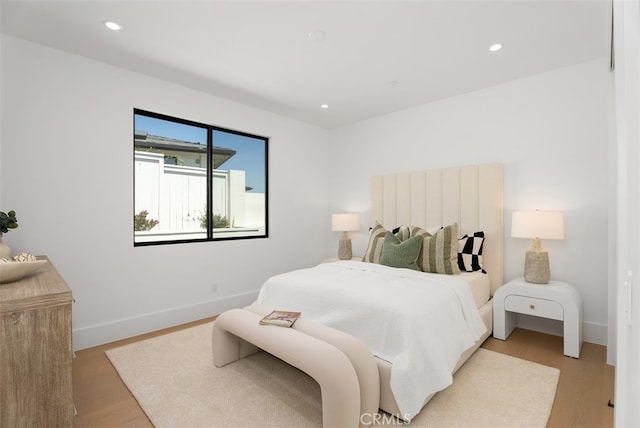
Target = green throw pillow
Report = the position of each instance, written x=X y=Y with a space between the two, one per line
x=400 y=254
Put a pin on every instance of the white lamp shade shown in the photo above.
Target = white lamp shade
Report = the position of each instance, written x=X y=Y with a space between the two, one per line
x=537 y=224
x=345 y=222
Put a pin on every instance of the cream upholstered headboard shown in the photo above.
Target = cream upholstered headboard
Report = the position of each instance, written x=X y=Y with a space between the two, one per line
x=472 y=196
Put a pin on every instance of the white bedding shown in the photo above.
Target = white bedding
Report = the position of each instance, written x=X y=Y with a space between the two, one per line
x=480 y=286
x=419 y=322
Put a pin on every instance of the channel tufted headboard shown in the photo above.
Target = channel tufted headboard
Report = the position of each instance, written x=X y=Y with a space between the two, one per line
x=472 y=196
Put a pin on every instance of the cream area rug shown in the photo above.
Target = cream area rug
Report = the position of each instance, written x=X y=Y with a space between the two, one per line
x=174 y=380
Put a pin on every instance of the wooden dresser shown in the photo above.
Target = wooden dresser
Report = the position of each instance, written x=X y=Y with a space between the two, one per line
x=35 y=351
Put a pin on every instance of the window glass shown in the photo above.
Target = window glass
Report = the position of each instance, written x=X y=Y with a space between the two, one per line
x=197 y=182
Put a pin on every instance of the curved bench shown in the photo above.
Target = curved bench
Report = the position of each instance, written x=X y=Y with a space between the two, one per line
x=342 y=365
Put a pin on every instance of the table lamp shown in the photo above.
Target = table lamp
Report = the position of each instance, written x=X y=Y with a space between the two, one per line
x=537 y=225
x=345 y=222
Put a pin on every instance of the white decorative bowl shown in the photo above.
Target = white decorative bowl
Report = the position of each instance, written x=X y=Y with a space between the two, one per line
x=13 y=271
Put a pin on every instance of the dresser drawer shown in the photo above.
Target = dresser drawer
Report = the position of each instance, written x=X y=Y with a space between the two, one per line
x=533 y=306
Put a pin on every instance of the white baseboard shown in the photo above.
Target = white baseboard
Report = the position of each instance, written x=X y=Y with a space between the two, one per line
x=595 y=333
x=591 y=332
x=99 y=334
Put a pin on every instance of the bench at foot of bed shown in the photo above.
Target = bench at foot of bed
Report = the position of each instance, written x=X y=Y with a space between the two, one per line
x=343 y=366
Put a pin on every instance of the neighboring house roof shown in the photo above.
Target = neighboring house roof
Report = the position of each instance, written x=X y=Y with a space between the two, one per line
x=143 y=139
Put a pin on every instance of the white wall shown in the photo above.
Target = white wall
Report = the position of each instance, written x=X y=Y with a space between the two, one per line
x=550 y=131
x=60 y=114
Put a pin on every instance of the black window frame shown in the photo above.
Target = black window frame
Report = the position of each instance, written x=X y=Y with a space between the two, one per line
x=209 y=177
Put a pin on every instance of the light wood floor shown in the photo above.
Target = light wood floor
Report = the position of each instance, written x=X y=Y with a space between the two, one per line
x=584 y=389
x=586 y=384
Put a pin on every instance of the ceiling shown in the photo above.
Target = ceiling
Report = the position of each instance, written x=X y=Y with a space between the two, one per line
x=376 y=57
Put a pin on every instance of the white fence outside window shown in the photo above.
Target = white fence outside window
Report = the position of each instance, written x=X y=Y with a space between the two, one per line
x=176 y=196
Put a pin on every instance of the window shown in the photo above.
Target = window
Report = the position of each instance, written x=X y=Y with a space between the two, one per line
x=196 y=182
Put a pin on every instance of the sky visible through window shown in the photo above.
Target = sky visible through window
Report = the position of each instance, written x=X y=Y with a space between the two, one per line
x=250 y=152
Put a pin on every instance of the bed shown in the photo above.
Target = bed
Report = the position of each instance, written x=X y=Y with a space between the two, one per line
x=420 y=326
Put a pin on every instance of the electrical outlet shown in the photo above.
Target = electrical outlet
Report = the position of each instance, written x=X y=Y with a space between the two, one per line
x=214 y=287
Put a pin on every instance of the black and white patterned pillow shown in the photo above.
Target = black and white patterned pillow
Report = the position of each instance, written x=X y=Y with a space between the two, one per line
x=470 y=252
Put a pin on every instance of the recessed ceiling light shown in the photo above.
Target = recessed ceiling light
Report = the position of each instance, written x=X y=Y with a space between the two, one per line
x=324 y=106
x=496 y=47
x=317 y=35
x=112 y=25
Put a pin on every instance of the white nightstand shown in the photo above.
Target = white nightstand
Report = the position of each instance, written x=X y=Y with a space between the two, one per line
x=556 y=300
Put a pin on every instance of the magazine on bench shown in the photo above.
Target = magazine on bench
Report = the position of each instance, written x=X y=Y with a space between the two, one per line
x=281 y=318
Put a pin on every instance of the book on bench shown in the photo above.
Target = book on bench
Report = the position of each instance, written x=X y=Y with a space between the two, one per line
x=281 y=318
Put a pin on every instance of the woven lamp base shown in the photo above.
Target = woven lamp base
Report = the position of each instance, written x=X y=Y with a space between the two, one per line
x=536 y=267
x=344 y=249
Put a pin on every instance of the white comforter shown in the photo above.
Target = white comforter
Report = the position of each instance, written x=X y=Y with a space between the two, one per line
x=420 y=322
